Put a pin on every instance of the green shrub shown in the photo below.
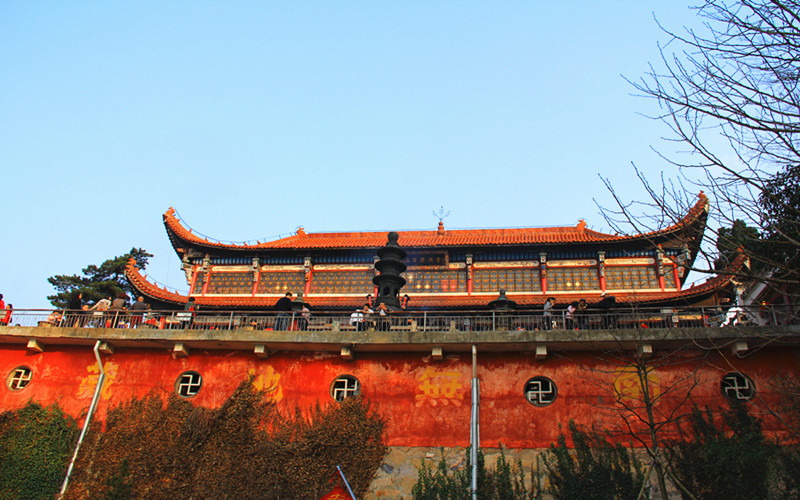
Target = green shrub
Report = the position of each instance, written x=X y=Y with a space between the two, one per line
x=730 y=461
x=503 y=482
x=244 y=449
x=36 y=444
x=595 y=470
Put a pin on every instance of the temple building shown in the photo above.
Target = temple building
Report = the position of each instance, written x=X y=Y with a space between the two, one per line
x=451 y=291
x=446 y=269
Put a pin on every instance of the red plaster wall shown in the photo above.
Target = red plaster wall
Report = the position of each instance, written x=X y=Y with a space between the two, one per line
x=427 y=402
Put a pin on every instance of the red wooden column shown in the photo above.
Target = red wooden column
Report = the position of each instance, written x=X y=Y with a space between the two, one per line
x=308 y=273
x=677 y=278
x=543 y=273
x=660 y=268
x=206 y=273
x=256 y=276
x=194 y=279
x=375 y=272
x=601 y=269
x=469 y=273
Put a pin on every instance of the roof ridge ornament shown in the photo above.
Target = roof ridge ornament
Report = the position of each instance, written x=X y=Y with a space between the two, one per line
x=441 y=216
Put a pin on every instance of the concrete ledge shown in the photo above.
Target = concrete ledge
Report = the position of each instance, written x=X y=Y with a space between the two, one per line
x=403 y=341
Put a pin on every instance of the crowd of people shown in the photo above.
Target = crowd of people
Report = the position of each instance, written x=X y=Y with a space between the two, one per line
x=116 y=312
x=367 y=318
x=113 y=311
x=579 y=313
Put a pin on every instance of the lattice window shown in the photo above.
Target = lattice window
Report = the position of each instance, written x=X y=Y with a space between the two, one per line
x=188 y=384
x=564 y=279
x=230 y=283
x=198 y=283
x=19 y=378
x=510 y=280
x=342 y=282
x=738 y=387
x=540 y=391
x=436 y=281
x=631 y=278
x=281 y=282
x=345 y=386
x=669 y=278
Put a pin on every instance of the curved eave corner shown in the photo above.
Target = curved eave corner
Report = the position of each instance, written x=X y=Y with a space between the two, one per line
x=179 y=237
x=694 y=225
x=693 y=221
x=723 y=279
x=150 y=290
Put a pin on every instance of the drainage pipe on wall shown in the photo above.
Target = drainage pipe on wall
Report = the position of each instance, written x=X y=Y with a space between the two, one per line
x=100 y=380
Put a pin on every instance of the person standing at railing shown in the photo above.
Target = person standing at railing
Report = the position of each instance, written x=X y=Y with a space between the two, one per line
x=283 y=307
x=6 y=319
x=187 y=317
x=357 y=319
x=75 y=308
x=305 y=315
x=606 y=307
x=732 y=316
x=54 y=319
x=569 y=317
x=547 y=315
x=362 y=318
x=383 y=318
x=118 y=307
x=98 y=312
x=138 y=310
x=582 y=315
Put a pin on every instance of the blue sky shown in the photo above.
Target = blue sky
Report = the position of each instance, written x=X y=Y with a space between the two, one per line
x=254 y=118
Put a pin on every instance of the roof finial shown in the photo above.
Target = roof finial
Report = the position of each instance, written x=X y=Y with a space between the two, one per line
x=441 y=216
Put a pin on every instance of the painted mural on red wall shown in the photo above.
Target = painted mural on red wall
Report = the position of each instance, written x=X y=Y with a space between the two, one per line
x=427 y=402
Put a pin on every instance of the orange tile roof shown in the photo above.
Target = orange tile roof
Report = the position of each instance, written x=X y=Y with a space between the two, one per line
x=440 y=238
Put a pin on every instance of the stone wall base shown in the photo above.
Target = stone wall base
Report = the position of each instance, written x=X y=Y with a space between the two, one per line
x=398 y=473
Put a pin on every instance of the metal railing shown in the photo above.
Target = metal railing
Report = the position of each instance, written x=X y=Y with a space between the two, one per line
x=415 y=321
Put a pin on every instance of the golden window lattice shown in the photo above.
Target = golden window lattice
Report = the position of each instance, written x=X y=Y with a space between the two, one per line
x=510 y=280
x=344 y=282
x=564 y=279
x=631 y=278
x=435 y=281
x=280 y=282
x=230 y=283
x=669 y=278
x=198 y=284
